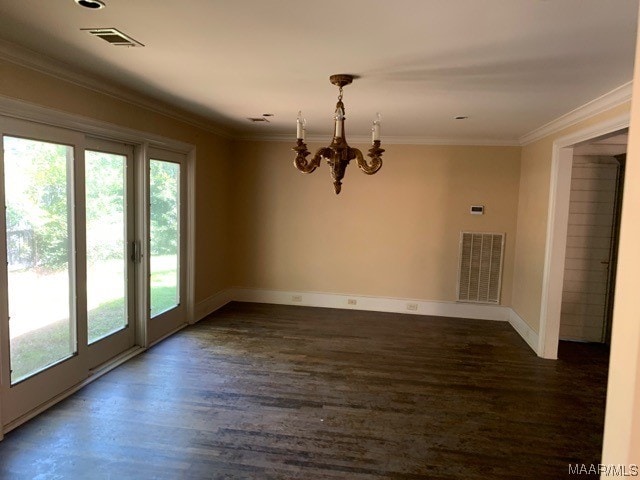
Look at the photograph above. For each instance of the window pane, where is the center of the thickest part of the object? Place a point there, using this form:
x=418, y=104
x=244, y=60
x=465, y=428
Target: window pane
x=37, y=195
x=105, y=175
x=164, y=196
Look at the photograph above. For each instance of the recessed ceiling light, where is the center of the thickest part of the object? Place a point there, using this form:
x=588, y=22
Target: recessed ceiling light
x=460, y=117
x=93, y=4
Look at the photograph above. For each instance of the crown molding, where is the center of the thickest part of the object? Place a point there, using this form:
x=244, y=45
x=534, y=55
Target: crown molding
x=615, y=97
x=393, y=140
x=24, y=57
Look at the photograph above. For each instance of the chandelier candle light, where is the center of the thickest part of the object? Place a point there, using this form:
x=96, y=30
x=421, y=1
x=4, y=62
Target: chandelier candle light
x=339, y=153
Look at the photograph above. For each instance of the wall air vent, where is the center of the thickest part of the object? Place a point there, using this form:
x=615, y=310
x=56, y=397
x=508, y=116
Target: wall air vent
x=480, y=269
x=113, y=36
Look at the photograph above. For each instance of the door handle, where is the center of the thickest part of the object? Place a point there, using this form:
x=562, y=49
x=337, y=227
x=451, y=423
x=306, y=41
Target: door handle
x=136, y=251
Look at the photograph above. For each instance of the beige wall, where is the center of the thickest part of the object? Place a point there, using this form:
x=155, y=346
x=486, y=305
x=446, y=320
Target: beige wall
x=212, y=167
x=622, y=419
x=393, y=234
x=533, y=206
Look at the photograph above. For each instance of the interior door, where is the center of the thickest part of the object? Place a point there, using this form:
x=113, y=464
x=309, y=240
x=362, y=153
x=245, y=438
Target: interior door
x=166, y=182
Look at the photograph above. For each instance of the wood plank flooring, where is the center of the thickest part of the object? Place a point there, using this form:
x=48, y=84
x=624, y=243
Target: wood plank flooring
x=279, y=392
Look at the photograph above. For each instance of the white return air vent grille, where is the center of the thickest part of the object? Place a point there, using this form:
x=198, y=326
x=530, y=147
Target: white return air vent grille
x=480, y=271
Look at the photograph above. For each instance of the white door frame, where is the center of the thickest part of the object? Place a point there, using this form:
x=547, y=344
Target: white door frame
x=557, y=223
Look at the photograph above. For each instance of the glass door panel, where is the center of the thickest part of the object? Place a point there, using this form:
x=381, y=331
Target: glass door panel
x=109, y=238
x=164, y=216
x=166, y=247
x=37, y=184
x=106, y=229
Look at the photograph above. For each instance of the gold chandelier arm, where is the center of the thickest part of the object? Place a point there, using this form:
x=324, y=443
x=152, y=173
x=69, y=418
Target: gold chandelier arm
x=301, y=162
x=375, y=152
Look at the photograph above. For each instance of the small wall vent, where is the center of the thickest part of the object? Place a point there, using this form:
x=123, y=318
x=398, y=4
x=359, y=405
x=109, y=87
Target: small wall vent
x=480, y=267
x=113, y=36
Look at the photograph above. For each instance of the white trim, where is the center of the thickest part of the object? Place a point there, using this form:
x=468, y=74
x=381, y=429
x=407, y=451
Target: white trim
x=191, y=235
x=605, y=127
x=524, y=330
x=387, y=140
x=557, y=219
x=375, y=304
x=212, y=303
x=24, y=57
x=139, y=170
x=615, y=97
x=555, y=251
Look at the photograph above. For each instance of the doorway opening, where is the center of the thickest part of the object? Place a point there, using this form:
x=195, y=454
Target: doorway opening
x=593, y=225
x=558, y=226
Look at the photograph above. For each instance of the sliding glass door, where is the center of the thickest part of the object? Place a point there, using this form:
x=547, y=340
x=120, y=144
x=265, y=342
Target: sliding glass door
x=69, y=276
x=92, y=257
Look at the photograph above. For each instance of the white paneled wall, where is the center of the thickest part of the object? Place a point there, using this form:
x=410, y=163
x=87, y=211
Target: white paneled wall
x=589, y=236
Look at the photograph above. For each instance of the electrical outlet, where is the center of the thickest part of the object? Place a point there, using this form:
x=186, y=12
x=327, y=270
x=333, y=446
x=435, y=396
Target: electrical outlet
x=296, y=298
x=352, y=301
x=412, y=306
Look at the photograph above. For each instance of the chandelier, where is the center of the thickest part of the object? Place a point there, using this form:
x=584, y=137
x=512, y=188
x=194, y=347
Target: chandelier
x=339, y=153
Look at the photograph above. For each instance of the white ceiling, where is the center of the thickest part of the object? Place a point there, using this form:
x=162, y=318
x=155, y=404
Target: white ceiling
x=510, y=66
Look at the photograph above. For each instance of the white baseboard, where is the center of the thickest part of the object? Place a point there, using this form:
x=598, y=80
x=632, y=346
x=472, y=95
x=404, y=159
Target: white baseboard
x=375, y=304
x=358, y=302
x=212, y=303
x=524, y=330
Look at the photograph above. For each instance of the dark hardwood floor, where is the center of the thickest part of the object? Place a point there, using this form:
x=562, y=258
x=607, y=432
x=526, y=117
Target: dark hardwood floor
x=276, y=392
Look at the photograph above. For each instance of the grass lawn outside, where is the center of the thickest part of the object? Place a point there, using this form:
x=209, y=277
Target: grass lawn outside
x=36, y=348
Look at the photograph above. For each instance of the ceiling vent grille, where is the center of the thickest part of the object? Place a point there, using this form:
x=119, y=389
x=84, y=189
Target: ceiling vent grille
x=480, y=268
x=114, y=37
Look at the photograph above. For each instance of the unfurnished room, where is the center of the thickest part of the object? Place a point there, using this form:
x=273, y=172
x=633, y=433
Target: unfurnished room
x=319, y=240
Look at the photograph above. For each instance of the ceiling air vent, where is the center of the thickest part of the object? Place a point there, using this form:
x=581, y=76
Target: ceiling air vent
x=113, y=36
x=257, y=119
